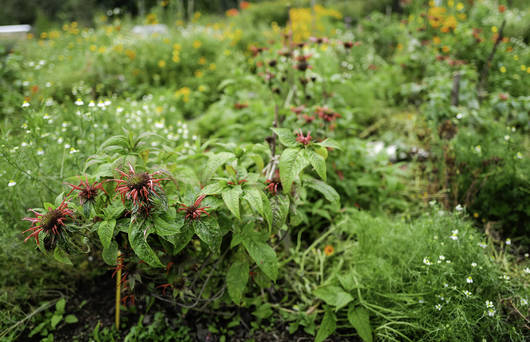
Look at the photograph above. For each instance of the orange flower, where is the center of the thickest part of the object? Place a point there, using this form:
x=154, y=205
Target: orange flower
x=502, y=8
x=232, y=12
x=329, y=250
x=244, y=5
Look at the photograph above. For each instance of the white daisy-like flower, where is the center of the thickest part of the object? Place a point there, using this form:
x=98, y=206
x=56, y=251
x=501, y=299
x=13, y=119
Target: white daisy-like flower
x=446, y=285
x=40, y=152
x=426, y=261
x=438, y=307
x=524, y=301
x=92, y=103
x=506, y=137
x=11, y=183
x=101, y=104
x=459, y=207
x=505, y=277
x=519, y=155
x=421, y=301
x=508, y=241
x=79, y=102
x=473, y=264
x=491, y=312
x=459, y=116
x=441, y=257
x=489, y=304
x=25, y=104
x=482, y=244
x=469, y=280
x=527, y=270
x=467, y=293
x=73, y=150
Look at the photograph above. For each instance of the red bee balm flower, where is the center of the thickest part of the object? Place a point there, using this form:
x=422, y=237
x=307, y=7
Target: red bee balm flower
x=87, y=192
x=138, y=187
x=274, y=185
x=303, y=140
x=194, y=212
x=51, y=222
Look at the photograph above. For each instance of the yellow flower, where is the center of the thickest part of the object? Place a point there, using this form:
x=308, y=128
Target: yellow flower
x=475, y=215
x=202, y=60
x=196, y=15
x=528, y=70
x=176, y=58
x=462, y=16
x=102, y=49
x=515, y=57
x=93, y=48
x=502, y=69
x=43, y=35
x=197, y=44
x=198, y=73
x=131, y=54
x=176, y=47
x=459, y=6
x=446, y=48
x=450, y=3
x=523, y=67
x=202, y=88
x=227, y=52
x=212, y=66
x=329, y=250
x=399, y=46
x=494, y=29
x=161, y=64
x=436, y=40
x=159, y=109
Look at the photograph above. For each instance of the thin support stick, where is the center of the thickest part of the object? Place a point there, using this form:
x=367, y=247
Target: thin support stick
x=118, y=293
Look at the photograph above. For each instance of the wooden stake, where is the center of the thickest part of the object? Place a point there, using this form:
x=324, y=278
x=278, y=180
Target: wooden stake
x=118, y=292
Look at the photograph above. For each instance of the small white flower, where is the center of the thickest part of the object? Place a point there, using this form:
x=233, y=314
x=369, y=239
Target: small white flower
x=524, y=301
x=508, y=241
x=101, y=104
x=467, y=293
x=426, y=261
x=491, y=312
x=119, y=110
x=67, y=146
x=73, y=150
x=11, y=183
x=478, y=149
x=482, y=244
x=454, y=237
x=40, y=152
x=441, y=257
x=459, y=207
x=519, y=155
x=91, y=104
x=489, y=304
x=79, y=102
x=505, y=277
x=446, y=285
x=421, y=301
x=506, y=137
x=473, y=264
x=432, y=203
x=25, y=104
x=459, y=116
x=527, y=270
x=469, y=280
x=438, y=307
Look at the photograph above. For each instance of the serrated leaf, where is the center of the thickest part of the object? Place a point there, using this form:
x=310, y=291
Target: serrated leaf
x=231, y=199
x=212, y=189
x=263, y=255
x=140, y=246
x=114, y=210
x=60, y=255
x=216, y=161
x=330, y=143
x=253, y=197
x=110, y=254
x=167, y=228
x=327, y=326
x=329, y=193
x=359, y=317
x=208, y=230
x=106, y=232
x=286, y=137
x=71, y=319
x=280, y=209
x=181, y=240
x=291, y=163
x=333, y=295
x=318, y=162
x=236, y=280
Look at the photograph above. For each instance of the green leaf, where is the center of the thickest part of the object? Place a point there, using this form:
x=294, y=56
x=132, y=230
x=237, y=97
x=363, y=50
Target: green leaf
x=114, y=210
x=106, y=231
x=333, y=295
x=166, y=228
x=360, y=319
x=60, y=255
x=110, y=254
x=208, y=230
x=60, y=306
x=263, y=255
x=253, y=197
x=231, y=199
x=181, y=239
x=327, y=326
x=140, y=246
x=267, y=210
x=330, y=143
x=280, y=209
x=291, y=163
x=212, y=189
x=286, y=136
x=71, y=319
x=318, y=162
x=56, y=319
x=329, y=193
x=216, y=161
x=236, y=280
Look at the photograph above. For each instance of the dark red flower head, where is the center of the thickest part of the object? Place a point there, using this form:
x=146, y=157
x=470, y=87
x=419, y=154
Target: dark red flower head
x=141, y=188
x=51, y=222
x=298, y=110
x=319, y=40
x=87, y=192
x=303, y=140
x=327, y=114
x=274, y=185
x=194, y=211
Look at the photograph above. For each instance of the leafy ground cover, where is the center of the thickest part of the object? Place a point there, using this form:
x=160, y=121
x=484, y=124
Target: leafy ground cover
x=282, y=172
